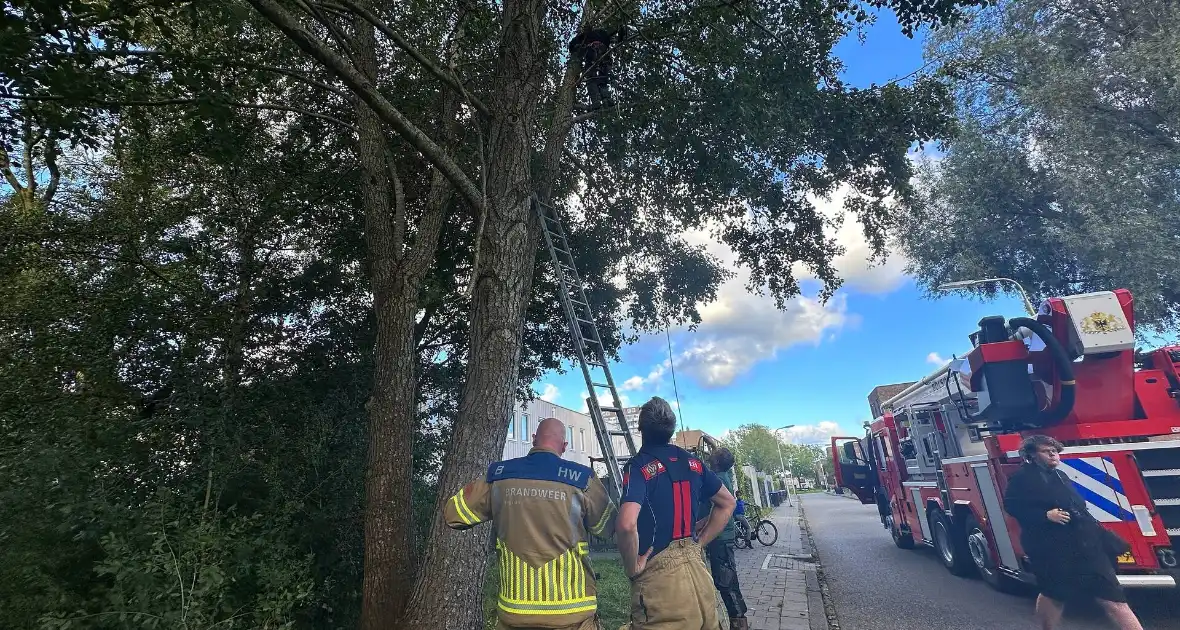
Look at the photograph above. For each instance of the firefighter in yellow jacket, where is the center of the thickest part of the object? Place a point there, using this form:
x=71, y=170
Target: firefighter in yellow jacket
x=542, y=507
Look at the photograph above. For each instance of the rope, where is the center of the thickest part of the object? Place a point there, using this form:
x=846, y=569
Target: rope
x=672, y=364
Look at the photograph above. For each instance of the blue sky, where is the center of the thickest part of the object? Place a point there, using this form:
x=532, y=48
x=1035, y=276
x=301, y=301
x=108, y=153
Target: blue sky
x=812, y=365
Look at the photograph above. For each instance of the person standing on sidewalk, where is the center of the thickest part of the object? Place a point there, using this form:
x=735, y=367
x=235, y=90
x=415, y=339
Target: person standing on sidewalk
x=720, y=551
x=664, y=485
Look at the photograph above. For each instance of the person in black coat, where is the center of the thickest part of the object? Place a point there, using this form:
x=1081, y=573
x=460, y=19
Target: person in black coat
x=1068, y=548
x=597, y=62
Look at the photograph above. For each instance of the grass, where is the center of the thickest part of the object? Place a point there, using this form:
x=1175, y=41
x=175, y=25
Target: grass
x=614, y=593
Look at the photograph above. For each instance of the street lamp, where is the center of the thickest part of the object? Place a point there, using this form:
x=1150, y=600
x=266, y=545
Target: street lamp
x=963, y=284
x=783, y=463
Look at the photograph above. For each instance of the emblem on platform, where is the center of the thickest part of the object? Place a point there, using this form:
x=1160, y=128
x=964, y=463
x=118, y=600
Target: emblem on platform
x=1102, y=323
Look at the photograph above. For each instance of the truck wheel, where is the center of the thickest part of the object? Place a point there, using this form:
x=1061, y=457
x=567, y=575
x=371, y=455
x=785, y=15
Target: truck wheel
x=903, y=541
x=981, y=554
x=950, y=544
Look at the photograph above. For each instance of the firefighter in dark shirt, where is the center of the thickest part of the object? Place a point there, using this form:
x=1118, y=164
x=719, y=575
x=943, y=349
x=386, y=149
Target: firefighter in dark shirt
x=670, y=585
x=597, y=62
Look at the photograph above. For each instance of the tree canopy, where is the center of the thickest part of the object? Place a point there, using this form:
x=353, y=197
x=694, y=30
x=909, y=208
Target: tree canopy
x=1063, y=175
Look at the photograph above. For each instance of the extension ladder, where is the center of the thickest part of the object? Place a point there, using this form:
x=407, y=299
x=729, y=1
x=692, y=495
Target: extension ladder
x=590, y=351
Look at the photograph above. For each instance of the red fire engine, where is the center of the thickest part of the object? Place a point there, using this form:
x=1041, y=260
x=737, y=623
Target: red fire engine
x=937, y=460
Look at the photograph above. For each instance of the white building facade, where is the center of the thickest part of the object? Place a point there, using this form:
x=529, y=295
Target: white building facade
x=579, y=431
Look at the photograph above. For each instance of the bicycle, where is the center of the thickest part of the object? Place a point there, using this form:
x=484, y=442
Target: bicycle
x=764, y=531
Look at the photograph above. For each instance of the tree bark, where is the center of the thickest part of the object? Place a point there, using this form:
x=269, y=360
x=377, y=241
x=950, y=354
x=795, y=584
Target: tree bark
x=449, y=591
x=396, y=271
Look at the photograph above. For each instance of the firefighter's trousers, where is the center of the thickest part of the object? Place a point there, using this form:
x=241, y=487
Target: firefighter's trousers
x=591, y=623
x=674, y=592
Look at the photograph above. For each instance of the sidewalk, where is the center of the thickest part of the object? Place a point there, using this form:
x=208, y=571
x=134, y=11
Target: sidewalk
x=779, y=582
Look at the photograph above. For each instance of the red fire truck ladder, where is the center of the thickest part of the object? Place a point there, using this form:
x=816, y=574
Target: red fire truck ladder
x=591, y=353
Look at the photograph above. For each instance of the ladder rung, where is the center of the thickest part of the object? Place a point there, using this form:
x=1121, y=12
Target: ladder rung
x=586, y=321
x=601, y=385
x=618, y=433
x=611, y=409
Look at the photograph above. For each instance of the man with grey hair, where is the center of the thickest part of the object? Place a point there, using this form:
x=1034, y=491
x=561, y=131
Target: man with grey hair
x=663, y=486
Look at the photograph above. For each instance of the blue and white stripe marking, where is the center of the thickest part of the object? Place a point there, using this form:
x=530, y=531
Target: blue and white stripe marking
x=1097, y=480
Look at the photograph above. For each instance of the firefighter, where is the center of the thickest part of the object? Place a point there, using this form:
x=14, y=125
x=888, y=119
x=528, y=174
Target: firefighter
x=722, y=563
x=594, y=47
x=670, y=586
x=541, y=507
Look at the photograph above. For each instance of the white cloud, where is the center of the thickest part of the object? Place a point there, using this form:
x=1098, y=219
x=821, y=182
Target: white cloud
x=819, y=433
x=550, y=393
x=739, y=329
x=603, y=401
x=853, y=265
x=936, y=359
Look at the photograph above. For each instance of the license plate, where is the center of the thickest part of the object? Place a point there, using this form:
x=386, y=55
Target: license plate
x=1127, y=558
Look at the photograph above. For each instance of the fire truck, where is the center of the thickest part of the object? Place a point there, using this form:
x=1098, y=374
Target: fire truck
x=936, y=461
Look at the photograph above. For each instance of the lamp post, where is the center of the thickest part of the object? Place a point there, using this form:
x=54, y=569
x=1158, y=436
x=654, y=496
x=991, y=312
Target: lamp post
x=783, y=464
x=963, y=284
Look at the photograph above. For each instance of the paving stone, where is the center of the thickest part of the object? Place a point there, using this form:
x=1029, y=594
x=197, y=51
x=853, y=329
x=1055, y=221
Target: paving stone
x=776, y=595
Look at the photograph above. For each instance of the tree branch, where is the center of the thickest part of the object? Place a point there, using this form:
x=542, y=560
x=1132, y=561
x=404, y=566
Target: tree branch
x=181, y=101
x=30, y=143
x=54, y=172
x=347, y=44
x=9, y=176
x=364, y=89
x=295, y=75
x=399, y=205
x=446, y=77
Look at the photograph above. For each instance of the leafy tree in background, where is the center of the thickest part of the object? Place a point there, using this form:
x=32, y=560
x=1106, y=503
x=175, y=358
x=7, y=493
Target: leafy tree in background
x=1064, y=173
x=756, y=445
x=307, y=278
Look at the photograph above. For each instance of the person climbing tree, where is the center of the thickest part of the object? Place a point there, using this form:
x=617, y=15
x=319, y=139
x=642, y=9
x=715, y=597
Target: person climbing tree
x=595, y=47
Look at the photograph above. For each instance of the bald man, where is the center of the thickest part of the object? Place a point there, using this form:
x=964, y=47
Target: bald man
x=542, y=507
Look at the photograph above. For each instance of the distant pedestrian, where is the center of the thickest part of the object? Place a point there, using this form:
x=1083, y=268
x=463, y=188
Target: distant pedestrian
x=739, y=516
x=1069, y=550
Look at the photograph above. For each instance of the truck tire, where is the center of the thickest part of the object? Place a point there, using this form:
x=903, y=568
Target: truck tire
x=979, y=546
x=903, y=540
x=950, y=544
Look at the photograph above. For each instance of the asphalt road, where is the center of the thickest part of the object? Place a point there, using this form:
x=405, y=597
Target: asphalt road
x=876, y=586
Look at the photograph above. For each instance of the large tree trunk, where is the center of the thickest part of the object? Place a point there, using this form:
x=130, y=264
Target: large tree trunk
x=396, y=275
x=449, y=591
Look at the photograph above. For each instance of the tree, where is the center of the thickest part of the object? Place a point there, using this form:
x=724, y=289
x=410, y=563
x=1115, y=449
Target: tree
x=734, y=115
x=1063, y=174
x=755, y=445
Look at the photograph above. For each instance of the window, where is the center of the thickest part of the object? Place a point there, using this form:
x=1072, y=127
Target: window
x=524, y=427
x=569, y=436
x=582, y=440
x=511, y=425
